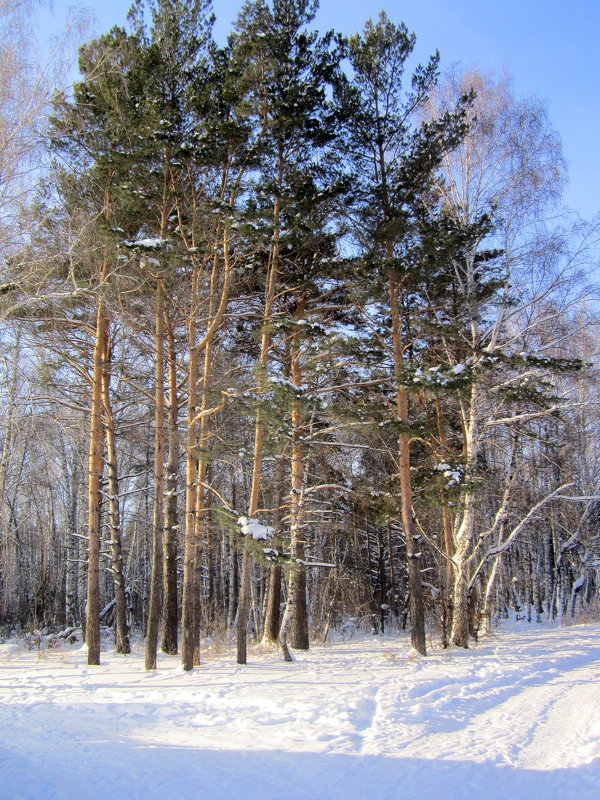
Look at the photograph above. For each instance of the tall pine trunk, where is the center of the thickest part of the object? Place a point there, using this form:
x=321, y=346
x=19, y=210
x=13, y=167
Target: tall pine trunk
x=197, y=436
x=447, y=567
x=171, y=521
x=243, y=610
x=295, y=623
x=114, y=516
x=159, y=480
x=188, y=639
x=95, y=471
x=413, y=540
x=272, y=615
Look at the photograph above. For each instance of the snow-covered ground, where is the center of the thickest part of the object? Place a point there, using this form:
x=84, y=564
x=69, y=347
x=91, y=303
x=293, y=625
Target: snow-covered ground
x=516, y=717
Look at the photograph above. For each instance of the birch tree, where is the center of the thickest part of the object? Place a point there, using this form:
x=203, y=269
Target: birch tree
x=508, y=169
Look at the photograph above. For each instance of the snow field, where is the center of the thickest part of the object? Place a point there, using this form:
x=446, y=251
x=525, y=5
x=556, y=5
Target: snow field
x=516, y=717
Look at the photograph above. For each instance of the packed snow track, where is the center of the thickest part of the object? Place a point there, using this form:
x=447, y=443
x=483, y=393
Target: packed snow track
x=516, y=717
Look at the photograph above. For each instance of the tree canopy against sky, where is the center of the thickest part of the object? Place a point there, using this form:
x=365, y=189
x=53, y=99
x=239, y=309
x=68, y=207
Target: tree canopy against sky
x=547, y=51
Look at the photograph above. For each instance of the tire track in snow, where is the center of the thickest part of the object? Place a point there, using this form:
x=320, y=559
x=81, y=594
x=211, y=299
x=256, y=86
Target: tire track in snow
x=481, y=712
x=569, y=733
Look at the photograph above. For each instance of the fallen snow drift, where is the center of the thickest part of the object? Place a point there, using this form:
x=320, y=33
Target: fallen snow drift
x=516, y=717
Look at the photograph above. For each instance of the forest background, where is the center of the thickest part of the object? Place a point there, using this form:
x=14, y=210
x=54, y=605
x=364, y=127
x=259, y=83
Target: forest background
x=296, y=335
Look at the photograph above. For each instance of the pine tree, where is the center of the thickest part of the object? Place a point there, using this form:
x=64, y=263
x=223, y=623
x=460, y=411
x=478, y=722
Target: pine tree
x=393, y=158
x=92, y=132
x=176, y=67
x=289, y=68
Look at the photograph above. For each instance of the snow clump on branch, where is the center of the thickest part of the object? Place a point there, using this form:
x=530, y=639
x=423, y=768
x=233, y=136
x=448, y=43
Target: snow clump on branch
x=253, y=528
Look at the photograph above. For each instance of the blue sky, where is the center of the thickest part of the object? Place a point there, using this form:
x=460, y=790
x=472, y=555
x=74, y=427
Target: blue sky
x=548, y=46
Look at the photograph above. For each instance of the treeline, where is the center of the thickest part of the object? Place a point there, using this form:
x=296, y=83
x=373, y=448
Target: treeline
x=297, y=339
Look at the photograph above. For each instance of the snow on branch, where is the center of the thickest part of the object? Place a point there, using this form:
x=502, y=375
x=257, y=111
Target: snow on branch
x=322, y=486
x=252, y=527
x=535, y=414
x=146, y=244
x=503, y=546
x=574, y=538
x=532, y=511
